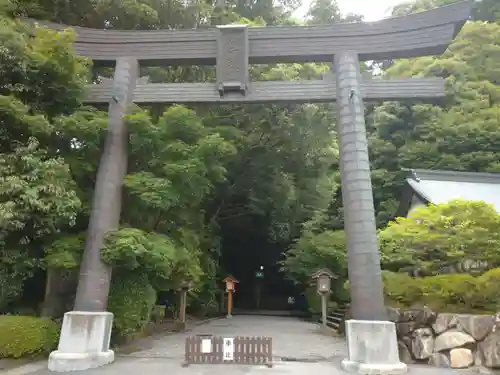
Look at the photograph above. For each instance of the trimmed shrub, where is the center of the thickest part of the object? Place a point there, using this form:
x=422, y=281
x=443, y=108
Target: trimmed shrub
x=26, y=336
x=461, y=293
x=457, y=291
x=401, y=289
x=489, y=290
x=131, y=300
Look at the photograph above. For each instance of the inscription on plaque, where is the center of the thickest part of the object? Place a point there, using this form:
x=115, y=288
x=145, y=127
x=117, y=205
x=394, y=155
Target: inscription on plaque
x=232, y=59
x=228, y=349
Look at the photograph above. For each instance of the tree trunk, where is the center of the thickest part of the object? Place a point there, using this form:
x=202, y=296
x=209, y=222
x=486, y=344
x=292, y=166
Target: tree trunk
x=52, y=302
x=95, y=276
x=60, y=290
x=365, y=280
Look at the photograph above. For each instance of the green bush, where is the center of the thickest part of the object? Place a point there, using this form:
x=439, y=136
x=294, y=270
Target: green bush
x=489, y=290
x=25, y=336
x=401, y=289
x=456, y=290
x=446, y=293
x=131, y=300
x=314, y=302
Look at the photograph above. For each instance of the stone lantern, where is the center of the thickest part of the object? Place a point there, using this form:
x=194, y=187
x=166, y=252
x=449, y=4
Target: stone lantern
x=323, y=278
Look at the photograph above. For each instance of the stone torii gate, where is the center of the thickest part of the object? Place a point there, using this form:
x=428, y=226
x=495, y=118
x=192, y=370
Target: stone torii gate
x=371, y=339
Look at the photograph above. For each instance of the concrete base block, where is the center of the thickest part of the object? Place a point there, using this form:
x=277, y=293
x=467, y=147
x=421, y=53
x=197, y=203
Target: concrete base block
x=84, y=342
x=372, y=348
x=63, y=362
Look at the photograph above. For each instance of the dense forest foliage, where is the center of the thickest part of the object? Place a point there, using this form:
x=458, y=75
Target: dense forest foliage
x=196, y=174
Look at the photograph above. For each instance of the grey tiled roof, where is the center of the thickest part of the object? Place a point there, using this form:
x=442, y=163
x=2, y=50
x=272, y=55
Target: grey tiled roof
x=442, y=186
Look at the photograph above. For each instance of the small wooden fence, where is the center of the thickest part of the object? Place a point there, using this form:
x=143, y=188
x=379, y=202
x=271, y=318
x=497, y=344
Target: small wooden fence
x=247, y=350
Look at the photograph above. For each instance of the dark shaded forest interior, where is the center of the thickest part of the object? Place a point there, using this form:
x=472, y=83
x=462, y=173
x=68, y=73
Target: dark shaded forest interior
x=253, y=260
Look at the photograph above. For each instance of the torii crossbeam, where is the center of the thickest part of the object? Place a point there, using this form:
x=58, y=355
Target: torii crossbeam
x=231, y=48
x=371, y=339
x=317, y=91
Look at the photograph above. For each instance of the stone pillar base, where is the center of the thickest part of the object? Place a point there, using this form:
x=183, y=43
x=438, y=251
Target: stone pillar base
x=64, y=362
x=84, y=342
x=372, y=348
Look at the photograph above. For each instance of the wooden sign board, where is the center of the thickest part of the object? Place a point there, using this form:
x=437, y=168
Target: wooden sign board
x=229, y=350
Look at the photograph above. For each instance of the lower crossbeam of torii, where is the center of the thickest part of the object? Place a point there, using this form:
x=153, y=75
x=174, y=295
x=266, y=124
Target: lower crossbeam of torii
x=371, y=338
x=311, y=91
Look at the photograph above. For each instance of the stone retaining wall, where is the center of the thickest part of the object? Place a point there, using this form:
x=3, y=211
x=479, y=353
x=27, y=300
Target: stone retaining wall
x=447, y=340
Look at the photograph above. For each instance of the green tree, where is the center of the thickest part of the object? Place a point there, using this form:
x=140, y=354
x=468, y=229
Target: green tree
x=39, y=68
x=40, y=77
x=315, y=250
x=174, y=165
x=37, y=200
x=439, y=236
x=461, y=133
x=325, y=12
x=484, y=10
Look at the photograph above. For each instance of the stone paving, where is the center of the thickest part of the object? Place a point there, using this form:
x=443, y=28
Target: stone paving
x=314, y=352
x=288, y=338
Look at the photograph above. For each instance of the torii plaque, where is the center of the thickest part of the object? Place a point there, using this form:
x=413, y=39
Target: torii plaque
x=371, y=339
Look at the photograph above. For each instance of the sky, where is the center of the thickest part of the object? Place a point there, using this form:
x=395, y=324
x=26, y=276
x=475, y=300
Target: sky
x=373, y=10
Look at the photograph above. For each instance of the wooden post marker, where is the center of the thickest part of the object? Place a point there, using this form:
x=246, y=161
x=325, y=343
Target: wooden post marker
x=185, y=286
x=230, y=289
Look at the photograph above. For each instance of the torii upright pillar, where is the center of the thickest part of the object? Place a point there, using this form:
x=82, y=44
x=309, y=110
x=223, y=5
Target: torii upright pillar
x=86, y=331
x=371, y=338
